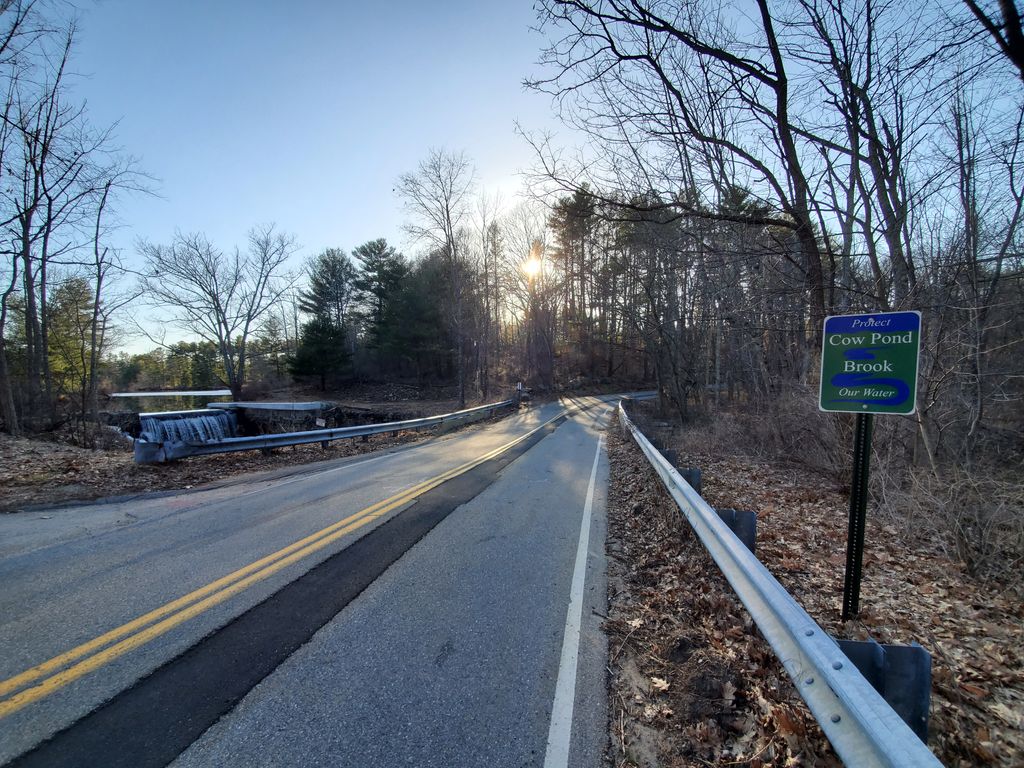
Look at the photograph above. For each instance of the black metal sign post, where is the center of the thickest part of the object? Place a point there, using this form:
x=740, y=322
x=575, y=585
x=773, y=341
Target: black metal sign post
x=858, y=514
x=868, y=366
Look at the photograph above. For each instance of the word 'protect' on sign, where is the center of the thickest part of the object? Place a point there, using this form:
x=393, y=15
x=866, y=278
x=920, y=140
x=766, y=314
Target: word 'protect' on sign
x=869, y=363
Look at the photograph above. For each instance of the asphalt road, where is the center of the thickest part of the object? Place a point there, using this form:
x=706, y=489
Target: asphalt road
x=382, y=610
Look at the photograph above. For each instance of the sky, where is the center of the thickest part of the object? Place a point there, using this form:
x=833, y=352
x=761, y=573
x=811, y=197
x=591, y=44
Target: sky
x=304, y=113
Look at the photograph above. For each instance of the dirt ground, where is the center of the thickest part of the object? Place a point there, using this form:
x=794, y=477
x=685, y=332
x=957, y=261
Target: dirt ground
x=693, y=682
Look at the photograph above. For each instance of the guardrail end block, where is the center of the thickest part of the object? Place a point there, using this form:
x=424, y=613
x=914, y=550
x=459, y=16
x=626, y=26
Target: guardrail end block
x=149, y=453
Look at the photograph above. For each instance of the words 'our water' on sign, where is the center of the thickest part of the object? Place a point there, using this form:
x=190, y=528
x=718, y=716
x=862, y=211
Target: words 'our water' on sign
x=869, y=363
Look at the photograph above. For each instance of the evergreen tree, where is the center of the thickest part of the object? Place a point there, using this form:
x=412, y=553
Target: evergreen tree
x=382, y=271
x=270, y=347
x=321, y=351
x=322, y=348
x=69, y=312
x=421, y=334
x=331, y=287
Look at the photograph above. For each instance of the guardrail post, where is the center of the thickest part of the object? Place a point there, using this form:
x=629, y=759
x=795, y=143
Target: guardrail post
x=692, y=476
x=742, y=522
x=902, y=674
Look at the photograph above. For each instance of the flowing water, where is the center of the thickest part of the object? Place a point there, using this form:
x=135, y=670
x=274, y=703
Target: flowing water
x=193, y=427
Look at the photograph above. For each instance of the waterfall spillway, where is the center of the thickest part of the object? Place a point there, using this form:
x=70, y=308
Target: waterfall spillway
x=188, y=426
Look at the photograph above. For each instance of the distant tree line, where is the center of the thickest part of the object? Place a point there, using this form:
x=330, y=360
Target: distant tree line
x=534, y=294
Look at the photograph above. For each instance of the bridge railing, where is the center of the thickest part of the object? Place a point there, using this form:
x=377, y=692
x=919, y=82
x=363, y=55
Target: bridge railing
x=863, y=729
x=147, y=452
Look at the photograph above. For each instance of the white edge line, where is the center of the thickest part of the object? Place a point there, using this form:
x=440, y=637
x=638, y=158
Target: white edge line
x=560, y=730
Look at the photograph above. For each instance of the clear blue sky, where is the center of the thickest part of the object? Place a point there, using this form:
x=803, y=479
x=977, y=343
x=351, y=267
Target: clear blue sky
x=304, y=112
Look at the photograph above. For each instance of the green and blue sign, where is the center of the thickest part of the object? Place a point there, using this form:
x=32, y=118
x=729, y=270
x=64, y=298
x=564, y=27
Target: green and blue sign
x=869, y=363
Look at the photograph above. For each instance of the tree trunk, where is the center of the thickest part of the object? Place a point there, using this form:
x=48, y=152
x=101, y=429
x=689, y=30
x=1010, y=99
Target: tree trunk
x=7, y=410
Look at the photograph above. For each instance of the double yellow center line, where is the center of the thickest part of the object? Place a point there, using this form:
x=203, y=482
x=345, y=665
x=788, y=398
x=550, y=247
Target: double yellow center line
x=23, y=689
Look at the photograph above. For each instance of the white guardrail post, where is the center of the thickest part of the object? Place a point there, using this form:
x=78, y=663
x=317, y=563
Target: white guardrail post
x=863, y=729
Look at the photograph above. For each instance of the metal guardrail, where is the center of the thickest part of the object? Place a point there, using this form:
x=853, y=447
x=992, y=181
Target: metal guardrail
x=863, y=729
x=147, y=452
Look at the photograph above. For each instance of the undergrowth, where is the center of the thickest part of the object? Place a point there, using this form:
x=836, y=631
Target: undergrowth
x=974, y=514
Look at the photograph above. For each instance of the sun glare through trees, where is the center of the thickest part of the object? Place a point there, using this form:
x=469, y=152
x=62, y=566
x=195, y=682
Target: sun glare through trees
x=731, y=174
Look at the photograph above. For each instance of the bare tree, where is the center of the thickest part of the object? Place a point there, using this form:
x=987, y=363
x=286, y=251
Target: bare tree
x=59, y=174
x=1004, y=28
x=489, y=253
x=684, y=107
x=532, y=287
x=217, y=296
x=106, y=265
x=437, y=196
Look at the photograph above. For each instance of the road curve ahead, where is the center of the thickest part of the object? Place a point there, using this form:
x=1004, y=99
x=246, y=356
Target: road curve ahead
x=437, y=605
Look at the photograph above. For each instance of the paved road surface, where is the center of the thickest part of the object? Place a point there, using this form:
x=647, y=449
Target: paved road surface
x=359, y=612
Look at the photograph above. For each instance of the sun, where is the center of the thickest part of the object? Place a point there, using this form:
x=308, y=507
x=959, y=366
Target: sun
x=532, y=267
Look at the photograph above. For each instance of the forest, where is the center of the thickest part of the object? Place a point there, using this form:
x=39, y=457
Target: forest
x=749, y=169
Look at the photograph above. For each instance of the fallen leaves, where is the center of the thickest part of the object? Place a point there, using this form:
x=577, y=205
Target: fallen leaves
x=35, y=472
x=911, y=592
x=659, y=684
x=693, y=682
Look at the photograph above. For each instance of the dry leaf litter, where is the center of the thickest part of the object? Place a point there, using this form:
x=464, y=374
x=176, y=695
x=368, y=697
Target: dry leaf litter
x=694, y=683
x=36, y=473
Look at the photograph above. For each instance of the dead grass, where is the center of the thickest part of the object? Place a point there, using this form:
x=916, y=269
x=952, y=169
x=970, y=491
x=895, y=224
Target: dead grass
x=976, y=517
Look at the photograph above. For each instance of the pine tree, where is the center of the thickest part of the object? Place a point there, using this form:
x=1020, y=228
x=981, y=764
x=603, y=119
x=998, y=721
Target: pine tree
x=331, y=287
x=321, y=351
x=323, y=345
x=379, y=283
